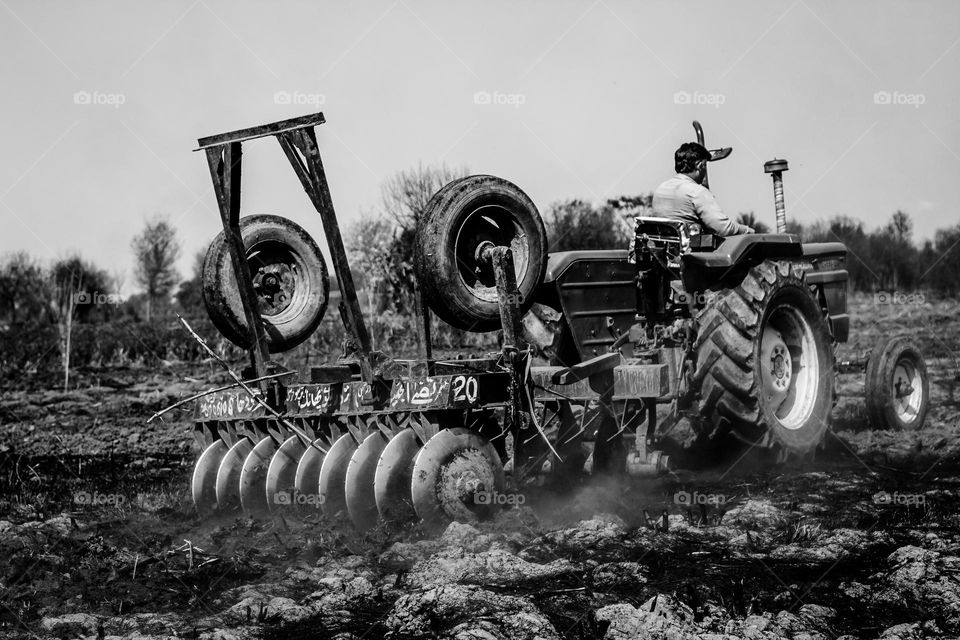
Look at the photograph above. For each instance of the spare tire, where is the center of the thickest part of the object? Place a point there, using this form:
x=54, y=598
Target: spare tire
x=457, y=284
x=290, y=282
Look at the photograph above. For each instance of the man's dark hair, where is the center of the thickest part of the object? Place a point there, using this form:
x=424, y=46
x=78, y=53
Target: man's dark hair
x=688, y=155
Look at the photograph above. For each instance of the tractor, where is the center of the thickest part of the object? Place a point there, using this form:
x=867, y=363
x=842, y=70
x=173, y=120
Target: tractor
x=736, y=336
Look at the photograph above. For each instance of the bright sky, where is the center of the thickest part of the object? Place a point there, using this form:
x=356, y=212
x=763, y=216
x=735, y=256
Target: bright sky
x=586, y=99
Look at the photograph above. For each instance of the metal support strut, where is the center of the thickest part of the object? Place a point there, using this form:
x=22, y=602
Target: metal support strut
x=224, y=160
x=298, y=140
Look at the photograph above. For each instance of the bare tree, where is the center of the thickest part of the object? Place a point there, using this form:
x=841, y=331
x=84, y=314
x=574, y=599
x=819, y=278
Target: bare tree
x=156, y=251
x=900, y=227
x=74, y=288
x=189, y=295
x=404, y=196
x=391, y=230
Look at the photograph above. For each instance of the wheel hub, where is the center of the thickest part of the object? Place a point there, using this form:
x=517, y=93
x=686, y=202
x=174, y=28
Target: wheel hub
x=781, y=366
x=463, y=480
x=789, y=366
x=467, y=488
x=778, y=366
x=484, y=229
x=457, y=475
x=275, y=286
x=907, y=392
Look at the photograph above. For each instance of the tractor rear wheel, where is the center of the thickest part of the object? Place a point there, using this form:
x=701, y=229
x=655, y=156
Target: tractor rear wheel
x=460, y=220
x=765, y=366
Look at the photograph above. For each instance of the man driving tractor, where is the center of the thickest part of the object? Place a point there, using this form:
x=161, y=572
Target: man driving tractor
x=685, y=197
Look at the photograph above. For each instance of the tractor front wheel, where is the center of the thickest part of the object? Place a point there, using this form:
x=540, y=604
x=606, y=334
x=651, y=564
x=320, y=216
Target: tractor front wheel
x=897, y=388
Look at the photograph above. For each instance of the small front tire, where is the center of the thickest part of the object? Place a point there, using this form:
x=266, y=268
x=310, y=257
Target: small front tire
x=897, y=387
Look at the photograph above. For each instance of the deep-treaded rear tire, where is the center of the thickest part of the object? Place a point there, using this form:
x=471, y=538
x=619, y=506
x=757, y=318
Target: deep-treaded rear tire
x=765, y=366
x=459, y=220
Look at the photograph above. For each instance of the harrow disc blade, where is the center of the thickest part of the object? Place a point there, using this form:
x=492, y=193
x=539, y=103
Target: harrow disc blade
x=391, y=484
x=361, y=499
x=307, y=481
x=456, y=476
x=333, y=475
x=228, y=475
x=204, y=485
x=282, y=475
x=253, y=478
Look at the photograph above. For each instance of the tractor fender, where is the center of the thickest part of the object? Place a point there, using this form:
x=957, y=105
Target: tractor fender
x=755, y=246
x=703, y=270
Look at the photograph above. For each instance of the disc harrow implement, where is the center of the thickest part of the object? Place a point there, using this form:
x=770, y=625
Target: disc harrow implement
x=395, y=450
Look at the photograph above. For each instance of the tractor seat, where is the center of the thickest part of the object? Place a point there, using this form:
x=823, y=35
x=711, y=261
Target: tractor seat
x=680, y=236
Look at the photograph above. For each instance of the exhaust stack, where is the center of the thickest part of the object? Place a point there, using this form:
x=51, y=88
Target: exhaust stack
x=777, y=167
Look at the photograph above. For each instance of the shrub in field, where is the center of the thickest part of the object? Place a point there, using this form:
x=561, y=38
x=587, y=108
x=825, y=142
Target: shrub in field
x=27, y=348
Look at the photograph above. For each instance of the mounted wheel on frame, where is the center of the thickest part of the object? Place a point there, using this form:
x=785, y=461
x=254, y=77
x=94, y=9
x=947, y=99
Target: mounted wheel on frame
x=289, y=279
x=461, y=219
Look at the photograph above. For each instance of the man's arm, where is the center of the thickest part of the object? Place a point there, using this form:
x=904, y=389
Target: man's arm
x=712, y=215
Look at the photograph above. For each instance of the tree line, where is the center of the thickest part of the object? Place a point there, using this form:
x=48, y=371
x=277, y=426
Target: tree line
x=70, y=311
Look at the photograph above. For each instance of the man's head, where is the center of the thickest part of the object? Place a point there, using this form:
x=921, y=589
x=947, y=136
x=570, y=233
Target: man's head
x=691, y=159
